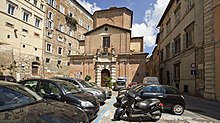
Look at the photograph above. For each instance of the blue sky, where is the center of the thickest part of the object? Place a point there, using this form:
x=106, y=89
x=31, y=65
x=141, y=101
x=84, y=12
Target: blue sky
x=146, y=15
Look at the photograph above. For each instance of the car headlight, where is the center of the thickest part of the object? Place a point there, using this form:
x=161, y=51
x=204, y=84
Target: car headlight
x=86, y=104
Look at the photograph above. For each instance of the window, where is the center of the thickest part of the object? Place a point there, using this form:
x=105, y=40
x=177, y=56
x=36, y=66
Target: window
x=37, y=22
x=168, y=26
x=177, y=74
x=62, y=9
x=49, y=34
x=106, y=42
x=50, y=16
x=59, y=62
x=26, y=16
x=177, y=14
x=41, y=7
x=13, y=97
x=161, y=55
x=25, y=30
x=50, y=24
x=48, y=88
x=177, y=44
x=168, y=51
x=189, y=4
x=52, y=3
x=60, y=38
x=71, y=14
x=188, y=37
x=11, y=9
x=152, y=89
x=9, y=24
x=68, y=63
x=69, y=52
x=47, y=60
x=35, y=2
x=60, y=51
x=61, y=28
x=31, y=84
x=48, y=47
x=37, y=35
x=70, y=45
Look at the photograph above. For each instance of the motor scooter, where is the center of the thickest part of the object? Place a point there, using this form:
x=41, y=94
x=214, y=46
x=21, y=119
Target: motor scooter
x=146, y=108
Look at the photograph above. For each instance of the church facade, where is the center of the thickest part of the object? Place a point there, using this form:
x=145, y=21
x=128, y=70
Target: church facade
x=109, y=50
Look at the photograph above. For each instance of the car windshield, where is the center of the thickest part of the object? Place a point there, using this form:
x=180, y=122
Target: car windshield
x=68, y=87
x=152, y=82
x=120, y=83
x=15, y=96
x=84, y=83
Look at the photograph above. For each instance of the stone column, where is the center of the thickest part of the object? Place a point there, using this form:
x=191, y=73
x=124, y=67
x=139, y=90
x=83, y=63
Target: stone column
x=209, y=50
x=98, y=75
x=113, y=72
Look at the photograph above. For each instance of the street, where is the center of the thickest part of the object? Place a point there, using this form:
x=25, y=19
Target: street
x=192, y=114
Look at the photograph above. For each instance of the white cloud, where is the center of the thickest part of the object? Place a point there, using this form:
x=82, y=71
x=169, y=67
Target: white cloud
x=90, y=7
x=148, y=28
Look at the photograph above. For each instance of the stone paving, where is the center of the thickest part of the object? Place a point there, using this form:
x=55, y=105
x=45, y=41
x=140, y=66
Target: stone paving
x=106, y=113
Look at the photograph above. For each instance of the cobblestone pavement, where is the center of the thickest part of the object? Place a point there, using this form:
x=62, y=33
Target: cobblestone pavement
x=106, y=113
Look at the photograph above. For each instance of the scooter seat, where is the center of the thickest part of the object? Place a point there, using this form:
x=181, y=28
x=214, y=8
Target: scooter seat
x=147, y=103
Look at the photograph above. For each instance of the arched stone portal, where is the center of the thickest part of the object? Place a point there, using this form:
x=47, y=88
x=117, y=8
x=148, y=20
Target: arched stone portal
x=105, y=73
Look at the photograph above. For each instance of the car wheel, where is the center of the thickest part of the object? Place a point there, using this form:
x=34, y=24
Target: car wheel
x=177, y=109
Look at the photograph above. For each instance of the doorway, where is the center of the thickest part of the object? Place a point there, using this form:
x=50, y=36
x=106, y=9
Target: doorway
x=105, y=73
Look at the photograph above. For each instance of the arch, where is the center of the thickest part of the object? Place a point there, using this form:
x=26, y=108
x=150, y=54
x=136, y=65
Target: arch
x=105, y=73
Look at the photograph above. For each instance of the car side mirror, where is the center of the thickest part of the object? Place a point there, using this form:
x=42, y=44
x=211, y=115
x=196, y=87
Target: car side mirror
x=142, y=92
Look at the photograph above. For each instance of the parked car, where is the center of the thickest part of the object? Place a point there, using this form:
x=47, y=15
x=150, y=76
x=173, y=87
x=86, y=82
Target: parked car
x=85, y=86
x=168, y=95
x=151, y=80
x=7, y=78
x=65, y=92
x=120, y=83
x=108, y=91
x=21, y=105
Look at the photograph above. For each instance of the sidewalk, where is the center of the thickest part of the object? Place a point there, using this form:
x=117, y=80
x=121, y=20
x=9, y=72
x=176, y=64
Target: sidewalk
x=205, y=108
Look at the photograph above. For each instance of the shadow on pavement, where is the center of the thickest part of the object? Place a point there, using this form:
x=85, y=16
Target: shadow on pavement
x=135, y=119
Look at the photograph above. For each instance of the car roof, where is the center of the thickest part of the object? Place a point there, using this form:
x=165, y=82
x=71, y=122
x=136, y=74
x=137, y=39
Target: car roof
x=63, y=77
x=8, y=83
x=45, y=80
x=168, y=86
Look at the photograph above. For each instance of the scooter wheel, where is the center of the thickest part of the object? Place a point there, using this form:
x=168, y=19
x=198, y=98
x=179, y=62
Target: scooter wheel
x=156, y=117
x=116, y=117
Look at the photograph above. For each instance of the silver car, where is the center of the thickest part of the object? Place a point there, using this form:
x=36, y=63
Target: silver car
x=85, y=86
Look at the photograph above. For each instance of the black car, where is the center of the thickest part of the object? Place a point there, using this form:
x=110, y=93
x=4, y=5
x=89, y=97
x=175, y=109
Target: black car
x=168, y=95
x=66, y=92
x=18, y=104
x=85, y=86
